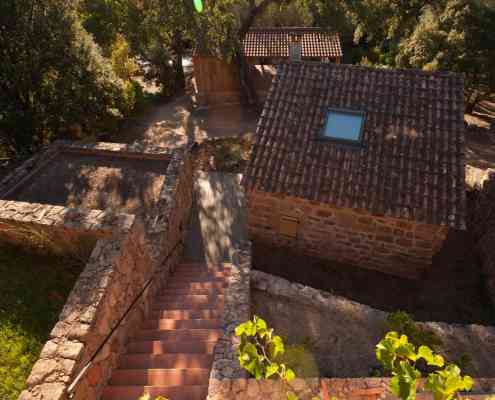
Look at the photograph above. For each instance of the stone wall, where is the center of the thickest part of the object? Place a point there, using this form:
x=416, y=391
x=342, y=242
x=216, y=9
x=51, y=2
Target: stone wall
x=60, y=229
x=482, y=226
x=340, y=334
x=117, y=271
x=283, y=304
x=348, y=389
x=390, y=245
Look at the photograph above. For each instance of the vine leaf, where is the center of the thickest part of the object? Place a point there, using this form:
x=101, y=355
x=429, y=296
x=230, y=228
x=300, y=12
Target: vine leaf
x=432, y=359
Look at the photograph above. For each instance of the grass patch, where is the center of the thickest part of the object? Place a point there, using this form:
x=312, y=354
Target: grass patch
x=34, y=288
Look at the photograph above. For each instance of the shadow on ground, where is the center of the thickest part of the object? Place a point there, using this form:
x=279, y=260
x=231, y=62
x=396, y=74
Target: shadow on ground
x=452, y=291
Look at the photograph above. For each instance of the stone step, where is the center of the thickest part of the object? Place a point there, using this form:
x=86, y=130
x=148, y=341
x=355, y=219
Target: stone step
x=187, y=280
x=160, y=377
x=183, y=334
x=183, y=360
x=198, y=392
x=195, y=275
x=192, y=298
x=188, y=291
x=186, y=314
x=203, y=267
x=188, y=305
x=170, y=346
x=196, y=285
x=181, y=324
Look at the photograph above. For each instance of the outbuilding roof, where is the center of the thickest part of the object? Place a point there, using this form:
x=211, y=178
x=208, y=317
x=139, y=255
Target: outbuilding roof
x=274, y=42
x=409, y=163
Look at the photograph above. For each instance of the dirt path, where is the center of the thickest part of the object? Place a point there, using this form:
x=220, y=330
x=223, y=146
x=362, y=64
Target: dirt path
x=178, y=122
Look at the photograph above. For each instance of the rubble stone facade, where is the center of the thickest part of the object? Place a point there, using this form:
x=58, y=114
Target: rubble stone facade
x=391, y=245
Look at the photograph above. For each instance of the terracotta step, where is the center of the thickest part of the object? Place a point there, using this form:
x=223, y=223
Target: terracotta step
x=189, y=291
x=170, y=346
x=196, y=285
x=203, y=267
x=192, y=298
x=185, y=314
x=160, y=377
x=181, y=280
x=174, y=334
x=198, y=392
x=180, y=361
x=188, y=305
x=195, y=275
x=182, y=324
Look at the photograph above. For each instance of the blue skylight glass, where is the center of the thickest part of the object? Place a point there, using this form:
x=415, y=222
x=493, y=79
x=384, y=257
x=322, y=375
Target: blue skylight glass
x=344, y=125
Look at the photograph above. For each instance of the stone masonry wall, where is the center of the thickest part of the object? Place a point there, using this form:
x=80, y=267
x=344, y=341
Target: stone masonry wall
x=117, y=270
x=390, y=245
x=342, y=389
x=482, y=226
x=63, y=230
x=338, y=335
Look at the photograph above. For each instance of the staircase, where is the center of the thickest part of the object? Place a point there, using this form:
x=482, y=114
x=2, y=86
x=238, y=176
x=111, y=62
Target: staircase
x=172, y=354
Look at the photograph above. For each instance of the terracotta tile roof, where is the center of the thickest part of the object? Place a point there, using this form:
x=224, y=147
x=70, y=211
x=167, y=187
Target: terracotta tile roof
x=274, y=42
x=411, y=164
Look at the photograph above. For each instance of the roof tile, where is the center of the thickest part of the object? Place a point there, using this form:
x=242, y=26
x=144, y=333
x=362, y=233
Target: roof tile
x=411, y=164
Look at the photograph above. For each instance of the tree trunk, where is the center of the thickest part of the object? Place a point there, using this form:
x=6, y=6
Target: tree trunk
x=178, y=49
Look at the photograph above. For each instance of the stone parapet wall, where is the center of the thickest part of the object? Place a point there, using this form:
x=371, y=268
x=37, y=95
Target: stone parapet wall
x=236, y=311
x=340, y=334
x=482, y=226
x=395, y=246
x=59, y=223
x=342, y=389
x=118, y=269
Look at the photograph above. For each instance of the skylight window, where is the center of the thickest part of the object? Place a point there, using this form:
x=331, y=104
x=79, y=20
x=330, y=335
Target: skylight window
x=344, y=125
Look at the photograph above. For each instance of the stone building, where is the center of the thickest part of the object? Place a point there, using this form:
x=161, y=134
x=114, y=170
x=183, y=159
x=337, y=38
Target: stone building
x=217, y=81
x=359, y=165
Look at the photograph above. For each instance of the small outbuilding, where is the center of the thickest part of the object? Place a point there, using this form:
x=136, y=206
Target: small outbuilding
x=359, y=165
x=217, y=81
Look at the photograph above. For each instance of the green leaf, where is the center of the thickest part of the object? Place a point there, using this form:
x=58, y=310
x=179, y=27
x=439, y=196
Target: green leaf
x=277, y=346
x=444, y=384
x=198, y=5
x=432, y=359
x=289, y=375
x=271, y=370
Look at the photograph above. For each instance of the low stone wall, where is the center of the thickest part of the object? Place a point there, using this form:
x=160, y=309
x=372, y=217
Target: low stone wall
x=394, y=246
x=117, y=270
x=60, y=229
x=340, y=334
x=342, y=389
x=482, y=225
x=236, y=311
x=295, y=300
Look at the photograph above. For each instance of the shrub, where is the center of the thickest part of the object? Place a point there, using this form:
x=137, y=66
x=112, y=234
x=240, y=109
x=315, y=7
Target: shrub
x=404, y=324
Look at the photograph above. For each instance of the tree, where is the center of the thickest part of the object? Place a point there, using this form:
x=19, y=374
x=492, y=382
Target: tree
x=52, y=75
x=459, y=37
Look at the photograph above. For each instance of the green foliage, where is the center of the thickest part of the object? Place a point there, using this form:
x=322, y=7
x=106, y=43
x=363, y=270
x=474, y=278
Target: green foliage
x=123, y=64
x=52, y=75
x=29, y=307
x=399, y=356
x=259, y=350
x=404, y=324
x=444, y=384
